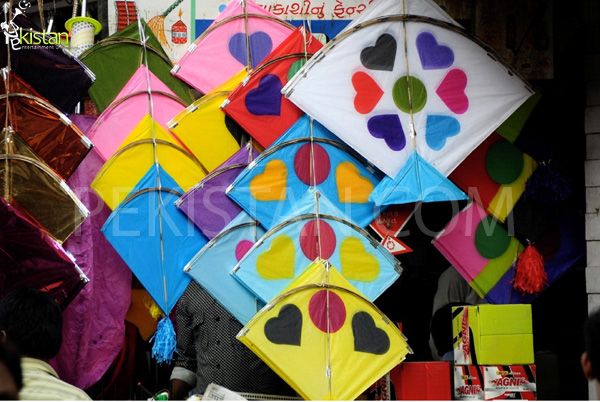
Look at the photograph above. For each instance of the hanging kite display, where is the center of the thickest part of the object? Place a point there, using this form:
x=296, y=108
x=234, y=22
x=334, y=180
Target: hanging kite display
x=154, y=239
x=70, y=79
x=316, y=229
x=258, y=105
x=495, y=175
x=412, y=94
x=478, y=247
x=212, y=266
x=240, y=36
x=204, y=128
x=324, y=338
x=306, y=155
x=116, y=58
x=135, y=156
x=206, y=204
x=47, y=131
x=34, y=189
x=31, y=258
x=129, y=107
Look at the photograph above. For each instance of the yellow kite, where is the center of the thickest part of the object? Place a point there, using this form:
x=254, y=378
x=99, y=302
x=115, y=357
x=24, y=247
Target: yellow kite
x=323, y=338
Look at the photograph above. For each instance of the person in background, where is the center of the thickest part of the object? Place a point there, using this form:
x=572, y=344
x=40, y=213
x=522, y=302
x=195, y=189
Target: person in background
x=32, y=321
x=590, y=359
x=208, y=351
x=11, y=378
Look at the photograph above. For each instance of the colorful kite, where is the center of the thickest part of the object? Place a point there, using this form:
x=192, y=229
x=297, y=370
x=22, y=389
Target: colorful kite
x=115, y=59
x=129, y=107
x=412, y=92
x=206, y=204
x=35, y=190
x=49, y=133
x=154, y=239
x=478, y=247
x=324, y=338
x=495, y=175
x=31, y=258
x=135, y=156
x=241, y=36
x=316, y=229
x=258, y=105
x=307, y=155
x=52, y=70
x=205, y=130
x=212, y=266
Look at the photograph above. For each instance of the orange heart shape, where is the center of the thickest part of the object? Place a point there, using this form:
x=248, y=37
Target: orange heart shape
x=270, y=185
x=351, y=185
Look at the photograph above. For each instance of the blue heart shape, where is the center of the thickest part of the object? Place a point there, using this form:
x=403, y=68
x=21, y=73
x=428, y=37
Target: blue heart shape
x=388, y=127
x=439, y=129
x=260, y=47
x=433, y=56
x=265, y=99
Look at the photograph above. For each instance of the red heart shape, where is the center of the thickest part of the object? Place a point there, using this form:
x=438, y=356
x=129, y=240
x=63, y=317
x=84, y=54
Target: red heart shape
x=452, y=91
x=368, y=92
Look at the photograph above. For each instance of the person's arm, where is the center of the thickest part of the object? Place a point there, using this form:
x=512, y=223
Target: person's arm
x=183, y=377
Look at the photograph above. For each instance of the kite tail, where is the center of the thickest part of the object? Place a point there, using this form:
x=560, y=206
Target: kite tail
x=530, y=275
x=164, y=341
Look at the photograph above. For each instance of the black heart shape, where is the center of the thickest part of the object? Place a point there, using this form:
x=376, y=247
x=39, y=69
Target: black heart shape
x=367, y=337
x=286, y=328
x=382, y=56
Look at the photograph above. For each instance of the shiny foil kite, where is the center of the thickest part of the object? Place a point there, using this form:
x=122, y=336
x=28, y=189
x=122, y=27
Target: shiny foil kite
x=53, y=71
x=155, y=239
x=204, y=128
x=306, y=155
x=129, y=107
x=35, y=190
x=47, y=131
x=324, y=338
x=206, y=204
x=31, y=258
x=316, y=229
x=212, y=266
x=413, y=93
x=115, y=59
x=258, y=105
x=479, y=247
x=242, y=35
x=137, y=154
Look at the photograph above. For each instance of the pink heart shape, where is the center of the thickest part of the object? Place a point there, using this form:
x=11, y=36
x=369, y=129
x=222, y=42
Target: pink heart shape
x=452, y=91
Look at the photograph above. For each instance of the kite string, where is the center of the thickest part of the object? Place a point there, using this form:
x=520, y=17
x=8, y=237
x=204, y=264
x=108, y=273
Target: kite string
x=247, y=35
x=7, y=113
x=313, y=183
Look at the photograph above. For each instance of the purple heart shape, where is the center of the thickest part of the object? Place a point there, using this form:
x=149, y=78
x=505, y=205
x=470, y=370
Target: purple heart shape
x=260, y=47
x=389, y=128
x=265, y=99
x=433, y=56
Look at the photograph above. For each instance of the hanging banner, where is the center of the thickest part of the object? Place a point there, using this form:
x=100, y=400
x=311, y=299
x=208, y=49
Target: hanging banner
x=178, y=22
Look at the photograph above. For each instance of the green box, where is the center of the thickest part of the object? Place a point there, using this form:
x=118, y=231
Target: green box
x=497, y=334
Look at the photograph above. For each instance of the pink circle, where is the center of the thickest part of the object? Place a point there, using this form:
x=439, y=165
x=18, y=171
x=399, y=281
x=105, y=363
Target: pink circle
x=309, y=240
x=317, y=308
x=242, y=248
x=303, y=168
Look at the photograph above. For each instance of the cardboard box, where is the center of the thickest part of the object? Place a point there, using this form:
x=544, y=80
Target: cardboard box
x=492, y=334
x=509, y=382
x=424, y=381
x=468, y=383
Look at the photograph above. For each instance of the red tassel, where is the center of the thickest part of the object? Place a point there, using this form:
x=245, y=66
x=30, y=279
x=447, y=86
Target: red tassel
x=530, y=276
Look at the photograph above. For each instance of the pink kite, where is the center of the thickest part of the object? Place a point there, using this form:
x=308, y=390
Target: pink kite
x=129, y=107
x=94, y=322
x=241, y=36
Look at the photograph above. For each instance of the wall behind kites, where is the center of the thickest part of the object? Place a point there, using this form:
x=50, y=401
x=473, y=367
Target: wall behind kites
x=187, y=19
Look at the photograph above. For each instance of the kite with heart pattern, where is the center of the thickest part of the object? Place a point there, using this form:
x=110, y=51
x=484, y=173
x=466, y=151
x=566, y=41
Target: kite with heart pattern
x=272, y=184
x=324, y=338
x=412, y=92
x=242, y=35
x=315, y=228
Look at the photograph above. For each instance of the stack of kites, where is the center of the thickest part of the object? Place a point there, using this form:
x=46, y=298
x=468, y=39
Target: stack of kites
x=261, y=189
